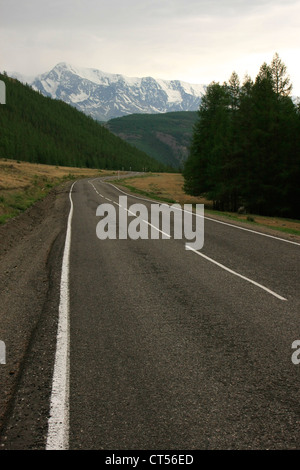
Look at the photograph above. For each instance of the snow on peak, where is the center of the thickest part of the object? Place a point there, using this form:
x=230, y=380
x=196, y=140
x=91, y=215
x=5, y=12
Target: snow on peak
x=106, y=95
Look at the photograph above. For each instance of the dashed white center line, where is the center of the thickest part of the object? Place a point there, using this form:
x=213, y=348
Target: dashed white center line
x=237, y=274
x=201, y=254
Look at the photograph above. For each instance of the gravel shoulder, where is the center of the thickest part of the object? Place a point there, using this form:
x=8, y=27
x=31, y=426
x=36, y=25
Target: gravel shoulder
x=31, y=249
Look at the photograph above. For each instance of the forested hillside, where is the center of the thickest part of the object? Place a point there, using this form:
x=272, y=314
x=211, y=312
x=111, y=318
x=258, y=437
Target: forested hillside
x=165, y=137
x=246, y=145
x=43, y=130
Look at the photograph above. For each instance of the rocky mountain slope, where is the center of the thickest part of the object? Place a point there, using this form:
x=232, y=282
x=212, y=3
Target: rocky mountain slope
x=105, y=96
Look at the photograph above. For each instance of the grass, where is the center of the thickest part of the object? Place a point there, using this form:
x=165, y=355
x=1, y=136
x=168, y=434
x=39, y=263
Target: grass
x=161, y=186
x=168, y=187
x=152, y=195
x=22, y=184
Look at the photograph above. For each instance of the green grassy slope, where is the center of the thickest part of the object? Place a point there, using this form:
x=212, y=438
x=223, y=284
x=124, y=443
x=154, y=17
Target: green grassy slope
x=165, y=137
x=42, y=130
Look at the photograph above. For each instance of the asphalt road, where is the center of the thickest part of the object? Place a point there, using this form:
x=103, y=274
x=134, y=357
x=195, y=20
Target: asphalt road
x=169, y=350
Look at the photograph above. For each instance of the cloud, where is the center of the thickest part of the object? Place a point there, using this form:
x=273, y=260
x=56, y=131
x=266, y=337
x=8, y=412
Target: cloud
x=164, y=38
x=120, y=15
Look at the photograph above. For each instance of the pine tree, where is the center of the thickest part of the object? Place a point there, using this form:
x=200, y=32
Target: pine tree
x=246, y=145
x=205, y=167
x=281, y=80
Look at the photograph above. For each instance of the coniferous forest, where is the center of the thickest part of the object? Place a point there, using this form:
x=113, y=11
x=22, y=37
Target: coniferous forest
x=245, y=149
x=38, y=129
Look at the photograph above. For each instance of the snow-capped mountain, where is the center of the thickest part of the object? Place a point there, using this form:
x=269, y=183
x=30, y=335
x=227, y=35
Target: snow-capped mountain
x=105, y=96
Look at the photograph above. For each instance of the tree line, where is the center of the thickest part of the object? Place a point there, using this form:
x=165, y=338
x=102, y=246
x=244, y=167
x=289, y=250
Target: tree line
x=38, y=129
x=245, y=149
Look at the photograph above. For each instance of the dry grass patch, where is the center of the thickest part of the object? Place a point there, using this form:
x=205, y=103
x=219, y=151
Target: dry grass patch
x=18, y=175
x=165, y=186
x=284, y=225
x=23, y=183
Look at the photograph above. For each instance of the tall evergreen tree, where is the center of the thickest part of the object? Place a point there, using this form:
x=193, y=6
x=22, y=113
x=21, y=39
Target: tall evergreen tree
x=203, y=170
x=281, y=80
x=246, y=145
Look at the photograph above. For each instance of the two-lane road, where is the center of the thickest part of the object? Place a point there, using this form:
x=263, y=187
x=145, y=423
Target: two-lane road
x=170, y=350
x=167, y=348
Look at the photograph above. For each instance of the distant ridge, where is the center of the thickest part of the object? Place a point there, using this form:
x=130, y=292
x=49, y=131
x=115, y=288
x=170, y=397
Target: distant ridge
x=165, y=137
x=105, y=96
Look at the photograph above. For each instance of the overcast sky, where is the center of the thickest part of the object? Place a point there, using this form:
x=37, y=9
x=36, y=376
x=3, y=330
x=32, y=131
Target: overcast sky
x=193, y=40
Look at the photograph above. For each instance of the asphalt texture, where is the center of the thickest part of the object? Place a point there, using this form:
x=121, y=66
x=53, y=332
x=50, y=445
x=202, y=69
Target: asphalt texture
x=167, y=349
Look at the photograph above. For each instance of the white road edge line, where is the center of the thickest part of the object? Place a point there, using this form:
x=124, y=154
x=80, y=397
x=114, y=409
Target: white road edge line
x=212, y=220
x=237, y=274
x=58, y=423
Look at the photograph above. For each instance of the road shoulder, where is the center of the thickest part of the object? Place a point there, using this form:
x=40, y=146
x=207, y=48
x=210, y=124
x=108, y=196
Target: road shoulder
x=31, y=251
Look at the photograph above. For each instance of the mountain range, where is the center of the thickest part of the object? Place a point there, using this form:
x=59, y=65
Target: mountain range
x=104, y=96
x=38, y=129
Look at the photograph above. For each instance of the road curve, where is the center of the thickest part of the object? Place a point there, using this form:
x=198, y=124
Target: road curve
x=174, y=349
